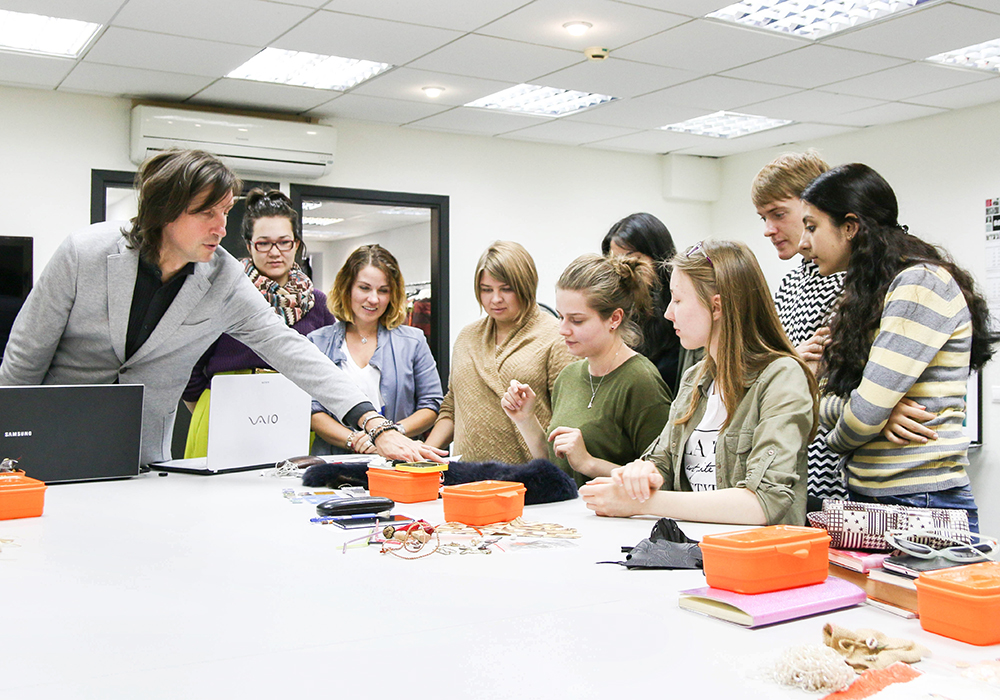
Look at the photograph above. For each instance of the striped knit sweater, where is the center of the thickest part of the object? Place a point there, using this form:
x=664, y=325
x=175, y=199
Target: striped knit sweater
x=921, y=351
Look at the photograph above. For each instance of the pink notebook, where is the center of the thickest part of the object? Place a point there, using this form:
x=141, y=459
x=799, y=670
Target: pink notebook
x=777, y=606
x=858, y=561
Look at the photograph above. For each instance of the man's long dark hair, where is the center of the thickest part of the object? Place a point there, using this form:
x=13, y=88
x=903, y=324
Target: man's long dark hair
x=880, y=250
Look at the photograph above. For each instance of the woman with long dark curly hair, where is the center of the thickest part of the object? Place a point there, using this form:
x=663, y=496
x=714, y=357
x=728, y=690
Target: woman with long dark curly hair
x=644, y=236
x=910, y=324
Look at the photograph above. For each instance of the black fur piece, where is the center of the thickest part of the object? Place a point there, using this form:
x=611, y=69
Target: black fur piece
x=544, y=482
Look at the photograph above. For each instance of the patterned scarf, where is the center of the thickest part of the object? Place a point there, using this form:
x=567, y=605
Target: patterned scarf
x=292, y=301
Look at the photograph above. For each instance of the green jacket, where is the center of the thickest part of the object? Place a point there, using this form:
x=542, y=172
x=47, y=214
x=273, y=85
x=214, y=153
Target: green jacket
x=762, y=449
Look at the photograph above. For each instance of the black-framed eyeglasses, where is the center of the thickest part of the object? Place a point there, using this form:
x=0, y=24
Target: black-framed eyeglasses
x=264, y=246
x=698, y=247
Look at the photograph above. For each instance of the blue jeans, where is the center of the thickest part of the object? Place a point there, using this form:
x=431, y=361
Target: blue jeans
x=959, y=497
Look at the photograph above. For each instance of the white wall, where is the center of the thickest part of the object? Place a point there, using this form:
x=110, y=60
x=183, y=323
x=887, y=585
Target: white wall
x=942, y=169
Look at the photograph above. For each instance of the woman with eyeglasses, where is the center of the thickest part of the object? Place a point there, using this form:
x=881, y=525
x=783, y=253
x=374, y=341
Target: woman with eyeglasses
x=390, y=362
x=271, y=231
x=908, y=329
x=608, y=406
x=734, y=447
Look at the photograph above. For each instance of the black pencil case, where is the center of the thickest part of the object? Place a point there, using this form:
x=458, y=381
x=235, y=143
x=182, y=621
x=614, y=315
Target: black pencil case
x=351, y=506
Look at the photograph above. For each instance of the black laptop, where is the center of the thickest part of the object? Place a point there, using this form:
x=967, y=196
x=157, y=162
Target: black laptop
x=72, y=433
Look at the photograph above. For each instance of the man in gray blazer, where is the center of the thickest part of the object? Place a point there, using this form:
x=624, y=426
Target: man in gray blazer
x=140, y=306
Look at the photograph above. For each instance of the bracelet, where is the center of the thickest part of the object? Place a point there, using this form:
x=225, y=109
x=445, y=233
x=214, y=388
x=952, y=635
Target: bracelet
x=386, y=425
x=364, y=426
x=350, y=439
x=401, y=429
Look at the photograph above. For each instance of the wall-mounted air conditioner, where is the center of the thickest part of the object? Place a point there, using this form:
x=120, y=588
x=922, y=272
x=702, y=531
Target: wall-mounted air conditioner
x=251, y=145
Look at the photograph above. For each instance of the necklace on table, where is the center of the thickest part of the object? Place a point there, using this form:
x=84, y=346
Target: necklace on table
x=593, y=389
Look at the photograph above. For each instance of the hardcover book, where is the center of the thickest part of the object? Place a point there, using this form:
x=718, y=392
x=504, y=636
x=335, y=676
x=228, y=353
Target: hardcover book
x=777, y=606
x=856, y=560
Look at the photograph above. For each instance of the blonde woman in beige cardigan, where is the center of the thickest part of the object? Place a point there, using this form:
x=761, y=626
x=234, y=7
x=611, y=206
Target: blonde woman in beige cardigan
x=515, y=340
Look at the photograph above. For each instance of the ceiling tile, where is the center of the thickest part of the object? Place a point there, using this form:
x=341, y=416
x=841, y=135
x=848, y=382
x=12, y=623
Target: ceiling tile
x=172, y=54
x=36, y=71
x=407, y=84
x=132, y=82
x=811, y=105
x=285, y=98
x=303, y=3
x=964, y=96
x=884, y=114
x=814, y=66
x=100, y=11
x=714, y=93
x=923, y=32
x=563, y=131
x=249, y=22
x=375, y=109
x=691, y=8
x=649, y=142
x=709, y=46
x=615, y=24
x=476, y=121
x=616, y=77
x=791, y=134
x=647, y=112
x=907, y=81
x=990, y=5
x=448, y=14
x=497, y=59
x=350, y=36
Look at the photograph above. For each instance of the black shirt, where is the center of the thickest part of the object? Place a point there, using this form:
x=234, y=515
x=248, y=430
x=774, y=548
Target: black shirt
x=150, y=300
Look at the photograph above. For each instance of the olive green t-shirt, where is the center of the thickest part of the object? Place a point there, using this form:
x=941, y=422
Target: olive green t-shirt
x=630, y=408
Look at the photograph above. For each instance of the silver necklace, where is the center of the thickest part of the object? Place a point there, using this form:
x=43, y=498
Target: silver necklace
x=593, y=389
x=363, y=339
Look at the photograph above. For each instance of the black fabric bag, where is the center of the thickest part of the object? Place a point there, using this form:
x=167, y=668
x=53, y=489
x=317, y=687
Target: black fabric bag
x=667, y=547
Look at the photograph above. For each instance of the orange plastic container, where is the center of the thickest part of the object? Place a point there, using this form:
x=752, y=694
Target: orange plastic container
x=403, y=487
x=483, y=502
x=962, y=602
x=20, y=496
x=765, y=559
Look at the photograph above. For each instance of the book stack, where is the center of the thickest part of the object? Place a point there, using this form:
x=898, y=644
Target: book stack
x=887, y=590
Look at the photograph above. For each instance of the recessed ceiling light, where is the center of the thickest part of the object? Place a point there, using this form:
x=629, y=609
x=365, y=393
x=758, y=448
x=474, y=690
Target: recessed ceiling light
x=985, y=56
x=726, y=125
x=811, y=18
x=308, y=69
x=50, y=36
x=577, y=28
x=433, y=91
x=540, y=100
x=319, y=221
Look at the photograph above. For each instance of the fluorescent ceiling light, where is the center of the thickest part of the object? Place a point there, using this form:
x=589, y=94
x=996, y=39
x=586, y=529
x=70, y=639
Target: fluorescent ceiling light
x=811, y=19
x=985, y=56
x=50, y=36
x=308, y=69
x=726, y=125
x=543, y=101
x=319, y=221
x=316, y=234
x=405, y=211
x=309, y=206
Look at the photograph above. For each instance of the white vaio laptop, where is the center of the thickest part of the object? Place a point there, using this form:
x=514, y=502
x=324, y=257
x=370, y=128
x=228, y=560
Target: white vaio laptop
x=254, y=421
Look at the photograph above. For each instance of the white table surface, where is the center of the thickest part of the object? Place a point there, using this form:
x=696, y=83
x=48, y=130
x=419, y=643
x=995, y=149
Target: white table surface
x=219, y=587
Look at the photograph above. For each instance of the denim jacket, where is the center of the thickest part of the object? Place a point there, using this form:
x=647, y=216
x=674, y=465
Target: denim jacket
x=762, y=449
x=410, y=378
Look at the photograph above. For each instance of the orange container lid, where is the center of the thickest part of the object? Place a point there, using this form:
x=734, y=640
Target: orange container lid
x=17, y=480
x=484, y=488
x=765, y=536
x=981, y=579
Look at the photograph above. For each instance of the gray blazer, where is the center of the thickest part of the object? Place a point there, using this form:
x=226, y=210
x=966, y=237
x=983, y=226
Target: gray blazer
x=71, y=330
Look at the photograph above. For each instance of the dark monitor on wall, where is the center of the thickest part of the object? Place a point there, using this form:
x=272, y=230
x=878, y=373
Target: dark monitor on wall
x=15, y=281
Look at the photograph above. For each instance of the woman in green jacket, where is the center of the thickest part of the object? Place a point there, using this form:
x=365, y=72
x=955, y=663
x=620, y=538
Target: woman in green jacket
x=734, y=448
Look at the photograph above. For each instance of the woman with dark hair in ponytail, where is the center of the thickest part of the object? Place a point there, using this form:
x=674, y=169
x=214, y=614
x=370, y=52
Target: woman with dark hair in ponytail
x=610, y=405
x=271, y=231
x=908, y=328
x=644, y=236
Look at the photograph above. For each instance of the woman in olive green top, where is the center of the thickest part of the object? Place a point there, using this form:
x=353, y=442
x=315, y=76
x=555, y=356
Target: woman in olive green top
x=609, y=406
x=734, y=449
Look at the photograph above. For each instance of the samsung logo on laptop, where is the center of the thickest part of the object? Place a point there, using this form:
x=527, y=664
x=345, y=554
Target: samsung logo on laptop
x=17, y=433
x=263, y=420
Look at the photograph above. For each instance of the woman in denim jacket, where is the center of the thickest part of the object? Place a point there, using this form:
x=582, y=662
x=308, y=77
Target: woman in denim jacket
x=734, y=447
x=390, y=362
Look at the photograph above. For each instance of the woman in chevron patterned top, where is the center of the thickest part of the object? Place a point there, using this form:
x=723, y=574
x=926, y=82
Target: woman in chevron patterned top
x=910, y=324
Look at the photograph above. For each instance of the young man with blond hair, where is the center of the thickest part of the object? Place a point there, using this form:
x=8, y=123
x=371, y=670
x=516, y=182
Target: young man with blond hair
x=805, y=299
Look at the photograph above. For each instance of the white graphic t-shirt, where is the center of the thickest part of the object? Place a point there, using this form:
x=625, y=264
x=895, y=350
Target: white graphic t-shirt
x=699, y=453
